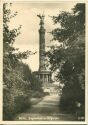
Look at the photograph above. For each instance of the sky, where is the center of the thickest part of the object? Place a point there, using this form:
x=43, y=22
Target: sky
x=27, y=17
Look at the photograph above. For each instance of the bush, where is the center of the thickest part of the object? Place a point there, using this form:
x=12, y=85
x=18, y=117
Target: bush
x=38, y=94
x=46, y=93
x=70, y=96
x=22, y=103
x=14, y=104
x=8, y=106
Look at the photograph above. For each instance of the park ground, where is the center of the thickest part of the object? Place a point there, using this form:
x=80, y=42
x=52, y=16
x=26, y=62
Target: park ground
x=46, y=108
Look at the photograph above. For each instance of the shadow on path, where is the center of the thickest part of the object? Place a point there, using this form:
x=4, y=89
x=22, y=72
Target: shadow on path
x=46, y=109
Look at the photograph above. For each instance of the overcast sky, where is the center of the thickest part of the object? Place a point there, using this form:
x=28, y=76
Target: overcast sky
x=27, y=17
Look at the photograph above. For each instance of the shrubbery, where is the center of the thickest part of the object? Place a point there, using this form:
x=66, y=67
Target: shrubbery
x=68, y=59
x=69, y=102
x=38, y=94
x=22, y=103
x=17, y=96
x=8, y=105
x=19, y=81
x=14, y=104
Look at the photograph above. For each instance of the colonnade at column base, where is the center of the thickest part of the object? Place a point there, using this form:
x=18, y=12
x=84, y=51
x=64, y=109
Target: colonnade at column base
x=44, y=76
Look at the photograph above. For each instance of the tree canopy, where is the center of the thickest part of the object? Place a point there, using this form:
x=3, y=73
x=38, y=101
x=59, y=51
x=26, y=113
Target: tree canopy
x=68, y=59
x=19, y=81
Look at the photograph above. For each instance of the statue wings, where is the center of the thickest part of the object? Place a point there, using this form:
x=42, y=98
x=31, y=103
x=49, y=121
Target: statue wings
x=39, y=16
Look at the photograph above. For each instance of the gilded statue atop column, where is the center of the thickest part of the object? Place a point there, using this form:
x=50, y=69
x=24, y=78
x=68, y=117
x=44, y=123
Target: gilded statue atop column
x=41, y=19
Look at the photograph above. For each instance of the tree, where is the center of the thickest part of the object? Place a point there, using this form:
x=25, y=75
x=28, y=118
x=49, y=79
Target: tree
x=68, y=59
x=18, y=79
x=11, y=55
x=14, y=84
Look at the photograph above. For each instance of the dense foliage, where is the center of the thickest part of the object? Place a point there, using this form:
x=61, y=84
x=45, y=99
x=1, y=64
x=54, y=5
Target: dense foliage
x=19, y=81
x=68, y=59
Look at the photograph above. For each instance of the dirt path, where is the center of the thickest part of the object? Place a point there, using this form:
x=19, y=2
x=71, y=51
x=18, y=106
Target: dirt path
x=46, y=109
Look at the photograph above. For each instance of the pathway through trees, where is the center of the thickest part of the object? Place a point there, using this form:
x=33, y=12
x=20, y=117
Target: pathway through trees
x=46, y=109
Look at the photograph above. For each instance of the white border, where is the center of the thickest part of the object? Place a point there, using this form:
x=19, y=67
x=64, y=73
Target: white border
x=86, y=66
x=1, y=58
x=1, y=65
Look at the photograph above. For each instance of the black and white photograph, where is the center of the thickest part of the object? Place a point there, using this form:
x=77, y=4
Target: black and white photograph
x=44, y=61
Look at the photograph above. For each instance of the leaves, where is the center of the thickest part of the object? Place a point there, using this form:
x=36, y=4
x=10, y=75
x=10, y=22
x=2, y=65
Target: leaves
x=68, y=60
x=17, y=77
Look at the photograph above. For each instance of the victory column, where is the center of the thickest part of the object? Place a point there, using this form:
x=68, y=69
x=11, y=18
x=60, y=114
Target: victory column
x=43, y=74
